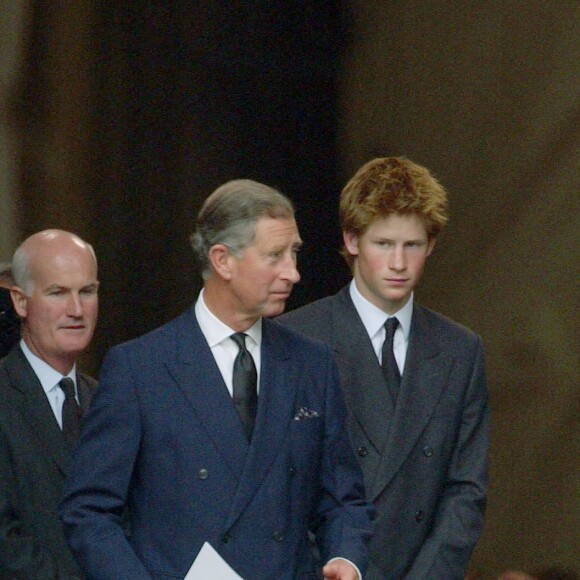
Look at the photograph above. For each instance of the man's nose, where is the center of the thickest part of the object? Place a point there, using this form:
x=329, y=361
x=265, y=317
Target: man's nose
x=74, y=305
x=398, y=260
x=290, y=271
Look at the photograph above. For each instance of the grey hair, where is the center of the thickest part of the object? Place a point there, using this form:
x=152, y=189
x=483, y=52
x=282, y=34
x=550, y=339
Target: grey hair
x=21, y=272
x=229, y=216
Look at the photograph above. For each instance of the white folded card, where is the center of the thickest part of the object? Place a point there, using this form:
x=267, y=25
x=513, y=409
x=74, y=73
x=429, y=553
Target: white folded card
x=209, y=565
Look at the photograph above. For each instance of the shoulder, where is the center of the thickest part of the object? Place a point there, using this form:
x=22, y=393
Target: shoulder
x=14, y=366
x=159, y=340
x=317, y=318
x=443, y=329
x=316, y=308
x=17, y=381
x=292, y=340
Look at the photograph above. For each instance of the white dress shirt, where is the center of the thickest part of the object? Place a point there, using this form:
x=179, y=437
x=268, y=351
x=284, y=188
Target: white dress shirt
x=49, y=379
x=374, y=320
x=223, y=348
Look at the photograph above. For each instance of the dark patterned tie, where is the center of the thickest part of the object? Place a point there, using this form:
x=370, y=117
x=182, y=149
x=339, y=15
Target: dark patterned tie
x=245, y=381
x=389, y=364
x=71, y=413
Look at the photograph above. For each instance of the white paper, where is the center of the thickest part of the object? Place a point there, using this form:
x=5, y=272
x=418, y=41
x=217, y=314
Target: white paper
x=209, y=565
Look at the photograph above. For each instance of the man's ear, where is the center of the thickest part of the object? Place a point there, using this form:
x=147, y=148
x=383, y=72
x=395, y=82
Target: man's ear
x=19, y=300
x=220, y=260
x=350, y=243
x=431, y=246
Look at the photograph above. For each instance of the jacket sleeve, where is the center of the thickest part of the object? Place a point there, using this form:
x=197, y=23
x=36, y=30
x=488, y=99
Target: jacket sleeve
x=459, y=519
x=98, y=480
x=343, y=522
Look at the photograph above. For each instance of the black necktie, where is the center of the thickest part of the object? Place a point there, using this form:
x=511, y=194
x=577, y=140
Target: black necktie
x=71, y=412
x=389, y=364
x=245, y=382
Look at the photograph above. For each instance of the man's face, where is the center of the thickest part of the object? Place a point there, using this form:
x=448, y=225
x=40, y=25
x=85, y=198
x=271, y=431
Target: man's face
x=263, y=276
x=59, y=316
x=389, y=259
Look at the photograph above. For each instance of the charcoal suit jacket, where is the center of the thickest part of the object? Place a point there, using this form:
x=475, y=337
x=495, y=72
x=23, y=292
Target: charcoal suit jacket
x=425, y=459
x=33, y=461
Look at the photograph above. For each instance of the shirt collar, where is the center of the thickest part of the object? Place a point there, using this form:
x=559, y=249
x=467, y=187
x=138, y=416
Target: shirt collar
x=48, y=377
x=215, y=331
x=374, y=318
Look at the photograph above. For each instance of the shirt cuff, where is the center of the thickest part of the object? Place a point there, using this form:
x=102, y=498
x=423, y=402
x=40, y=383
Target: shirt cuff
x=359, y=575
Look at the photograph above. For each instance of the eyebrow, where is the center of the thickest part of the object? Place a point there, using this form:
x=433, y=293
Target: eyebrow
x=59, y=287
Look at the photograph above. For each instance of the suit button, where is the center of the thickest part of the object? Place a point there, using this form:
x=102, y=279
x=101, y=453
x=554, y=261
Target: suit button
x=227, y=537
x=362, y=451
x=419, y=515
x=278, y=537
x=203, y=473
x=427, y=451
x=292, y=471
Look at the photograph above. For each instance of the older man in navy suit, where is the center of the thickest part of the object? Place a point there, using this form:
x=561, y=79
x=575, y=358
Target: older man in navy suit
x=222, y=426
x=414, y=381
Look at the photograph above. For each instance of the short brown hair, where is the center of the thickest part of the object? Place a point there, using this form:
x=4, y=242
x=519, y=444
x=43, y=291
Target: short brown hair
x=391, y=185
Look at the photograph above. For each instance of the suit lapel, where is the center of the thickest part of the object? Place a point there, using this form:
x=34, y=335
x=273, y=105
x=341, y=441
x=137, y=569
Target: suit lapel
x=275, y=410
x=198, y=376
x=424, y=381
x=36, y=409
x=369, y=400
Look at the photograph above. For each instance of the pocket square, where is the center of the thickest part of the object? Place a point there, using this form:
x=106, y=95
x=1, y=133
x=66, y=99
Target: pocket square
x=305, y=413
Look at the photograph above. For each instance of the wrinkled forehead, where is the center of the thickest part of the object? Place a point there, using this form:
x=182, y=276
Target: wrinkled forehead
x=280, y=228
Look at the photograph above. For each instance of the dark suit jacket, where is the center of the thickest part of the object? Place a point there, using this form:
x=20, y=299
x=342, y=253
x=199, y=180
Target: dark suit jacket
x=33, y=461
x=163, y=437
x=425, y=461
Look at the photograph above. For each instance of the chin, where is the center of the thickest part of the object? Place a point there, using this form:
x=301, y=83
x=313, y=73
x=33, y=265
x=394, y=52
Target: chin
x=397, y=296
x=74, y=350
x=275, y=310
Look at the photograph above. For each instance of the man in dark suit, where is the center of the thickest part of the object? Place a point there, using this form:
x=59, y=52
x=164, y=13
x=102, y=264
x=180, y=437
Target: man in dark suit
x=55, y=295
x=222, y=426
x=413, y=380
x=9, y=321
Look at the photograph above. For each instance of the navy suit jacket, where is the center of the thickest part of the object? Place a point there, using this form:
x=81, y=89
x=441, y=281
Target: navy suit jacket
x=163, y=437
x=424, y=460
x=33, y=461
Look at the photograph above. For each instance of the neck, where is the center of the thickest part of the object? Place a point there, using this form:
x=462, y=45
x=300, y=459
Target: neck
x=59, y=364
x=221, y=304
